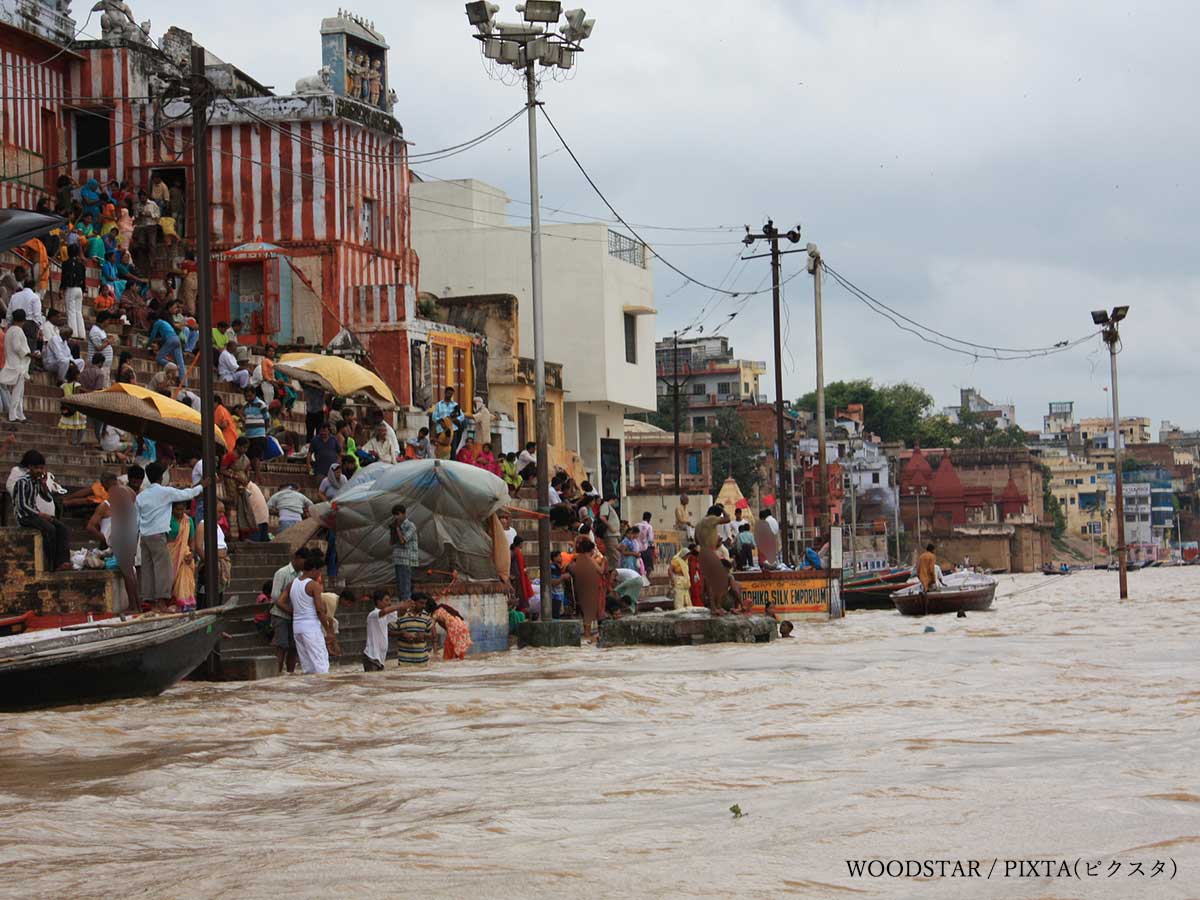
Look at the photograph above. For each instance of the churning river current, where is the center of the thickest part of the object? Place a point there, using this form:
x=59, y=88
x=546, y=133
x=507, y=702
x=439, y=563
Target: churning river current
x=1060, y=726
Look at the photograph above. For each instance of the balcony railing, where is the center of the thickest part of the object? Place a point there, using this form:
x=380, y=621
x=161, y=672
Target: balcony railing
x=666, y=481
x=627, y=249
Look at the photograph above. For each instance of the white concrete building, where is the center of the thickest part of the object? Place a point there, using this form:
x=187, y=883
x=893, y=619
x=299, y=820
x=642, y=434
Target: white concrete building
x=598, y=305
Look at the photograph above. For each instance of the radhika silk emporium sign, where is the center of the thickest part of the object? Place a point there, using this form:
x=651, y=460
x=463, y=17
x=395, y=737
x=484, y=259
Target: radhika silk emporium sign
x=790, y=593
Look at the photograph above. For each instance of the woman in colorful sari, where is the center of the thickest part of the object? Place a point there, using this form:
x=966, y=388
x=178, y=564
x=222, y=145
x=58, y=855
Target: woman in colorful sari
x=110, y=276
x=183, y=562
x=467, y=454
x=681, y=578
x=89, y=196
x=485, y=459
x=124, y=228
x=458, y=635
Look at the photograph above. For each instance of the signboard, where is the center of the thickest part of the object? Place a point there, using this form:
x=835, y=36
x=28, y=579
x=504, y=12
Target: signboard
x=789, y=593
x=1095, y=527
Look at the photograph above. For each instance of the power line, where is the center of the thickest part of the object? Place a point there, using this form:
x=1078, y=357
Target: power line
x=621, y=219
x=967, y=348
x=566, y=212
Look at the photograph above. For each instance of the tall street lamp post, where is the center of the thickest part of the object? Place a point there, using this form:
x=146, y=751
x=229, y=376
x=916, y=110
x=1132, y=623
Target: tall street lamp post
x=523, y=46
x=1112, y=337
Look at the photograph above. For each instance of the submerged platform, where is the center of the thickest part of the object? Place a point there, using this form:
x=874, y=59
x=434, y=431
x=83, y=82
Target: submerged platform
x=696, y=626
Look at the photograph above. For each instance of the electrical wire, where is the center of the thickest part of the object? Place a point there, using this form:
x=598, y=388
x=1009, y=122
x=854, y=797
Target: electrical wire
x=621, y=219
x=974, y=350
x=566, y=212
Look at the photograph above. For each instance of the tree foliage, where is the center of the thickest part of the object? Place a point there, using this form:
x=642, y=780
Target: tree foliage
x=904, y=412
x=893, y=411
x=1050, y=505
x=735, y=454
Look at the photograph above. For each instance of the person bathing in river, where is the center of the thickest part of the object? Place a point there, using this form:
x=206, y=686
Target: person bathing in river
x=384, y=614
x=714, y=577
x=311, y=627
x=458, y=635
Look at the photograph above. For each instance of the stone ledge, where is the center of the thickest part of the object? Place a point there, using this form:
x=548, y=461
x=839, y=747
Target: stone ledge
x=679, y=629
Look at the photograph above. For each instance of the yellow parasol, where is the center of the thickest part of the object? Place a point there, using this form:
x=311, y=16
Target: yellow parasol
x=143, y=412
x=336, y=375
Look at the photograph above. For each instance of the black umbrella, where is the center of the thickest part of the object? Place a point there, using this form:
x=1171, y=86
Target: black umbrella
x=20, y=225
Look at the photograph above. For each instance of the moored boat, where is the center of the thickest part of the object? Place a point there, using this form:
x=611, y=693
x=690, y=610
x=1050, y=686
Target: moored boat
x=15, y=624
x=101, y=661
x=961, y=592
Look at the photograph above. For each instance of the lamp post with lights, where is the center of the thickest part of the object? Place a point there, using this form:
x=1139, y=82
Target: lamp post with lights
x=524, y=45
x=1112, y=337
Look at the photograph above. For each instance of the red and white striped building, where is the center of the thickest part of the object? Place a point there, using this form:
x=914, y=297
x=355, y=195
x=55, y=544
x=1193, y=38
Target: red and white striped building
x=320, y=176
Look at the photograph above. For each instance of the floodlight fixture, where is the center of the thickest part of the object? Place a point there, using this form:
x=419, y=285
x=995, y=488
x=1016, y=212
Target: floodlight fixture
x=492, y=48
x=1119, y=313
x=567, y=58
x=551, y=55
x=536, y=49
x=579, y=26
x=547, y=11
x=1099, y=317
x=482, y=15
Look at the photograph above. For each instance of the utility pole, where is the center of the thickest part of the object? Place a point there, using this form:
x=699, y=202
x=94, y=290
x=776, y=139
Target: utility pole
x=675, y=356
x=203, y=231
x=1112, y=338
x=539, y=352
x=771, y=233
x=895, y=474
x=814, y=268
x=853, y=517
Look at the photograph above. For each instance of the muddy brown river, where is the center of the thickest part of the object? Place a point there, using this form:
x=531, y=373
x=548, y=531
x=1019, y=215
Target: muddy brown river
x=1061, y=727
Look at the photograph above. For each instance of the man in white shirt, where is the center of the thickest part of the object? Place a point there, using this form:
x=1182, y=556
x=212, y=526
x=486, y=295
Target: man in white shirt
x=15, y=373
x=506, y=523
x=154, y=521
x=382, y=445
x=29, y=303
x=527, y=462
x=229, y=371
x=384, y=614
x=56, y=355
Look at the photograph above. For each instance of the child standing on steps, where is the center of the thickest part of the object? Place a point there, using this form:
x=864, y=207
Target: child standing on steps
x=74, y=423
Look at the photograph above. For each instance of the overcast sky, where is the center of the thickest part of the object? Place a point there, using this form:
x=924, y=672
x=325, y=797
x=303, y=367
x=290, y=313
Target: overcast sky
x=994, y=170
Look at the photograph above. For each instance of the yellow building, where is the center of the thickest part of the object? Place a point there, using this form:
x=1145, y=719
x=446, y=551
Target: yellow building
x=1081, y=492
x=1134, y=430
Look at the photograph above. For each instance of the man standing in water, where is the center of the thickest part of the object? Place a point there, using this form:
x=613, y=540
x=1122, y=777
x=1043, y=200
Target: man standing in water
x=310, y=622
x=714, y=577
x=927, y=569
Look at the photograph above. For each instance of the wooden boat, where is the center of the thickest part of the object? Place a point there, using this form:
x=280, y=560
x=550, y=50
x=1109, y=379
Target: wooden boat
x=870, y=596
x=15, y=624
x=102, y=661
x=965, y=592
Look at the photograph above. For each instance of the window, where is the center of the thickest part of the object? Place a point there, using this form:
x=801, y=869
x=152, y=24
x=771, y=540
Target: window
x=698, y=390
x=366, y=221
x=699, y=423
x=1083, y=530
x=93, y=143
x=745, y=387
x=1072, y=501
x=693, y=463
x=724, y=387
x=630, y=339
x=874, y=478
x=1093, y=479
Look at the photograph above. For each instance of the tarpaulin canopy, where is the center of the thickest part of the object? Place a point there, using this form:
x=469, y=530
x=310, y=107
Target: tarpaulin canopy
x=144, y=412
x=336, y=375
x=451, y=504
x=20, y=225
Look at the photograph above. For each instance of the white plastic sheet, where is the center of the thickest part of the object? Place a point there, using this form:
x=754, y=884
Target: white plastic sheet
x=449, y=502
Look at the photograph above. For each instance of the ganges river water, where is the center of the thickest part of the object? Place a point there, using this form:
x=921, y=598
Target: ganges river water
x=1062, y=725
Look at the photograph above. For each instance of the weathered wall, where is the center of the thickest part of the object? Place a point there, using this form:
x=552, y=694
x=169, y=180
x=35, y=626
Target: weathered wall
x=990, y=551
x=25, y=586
